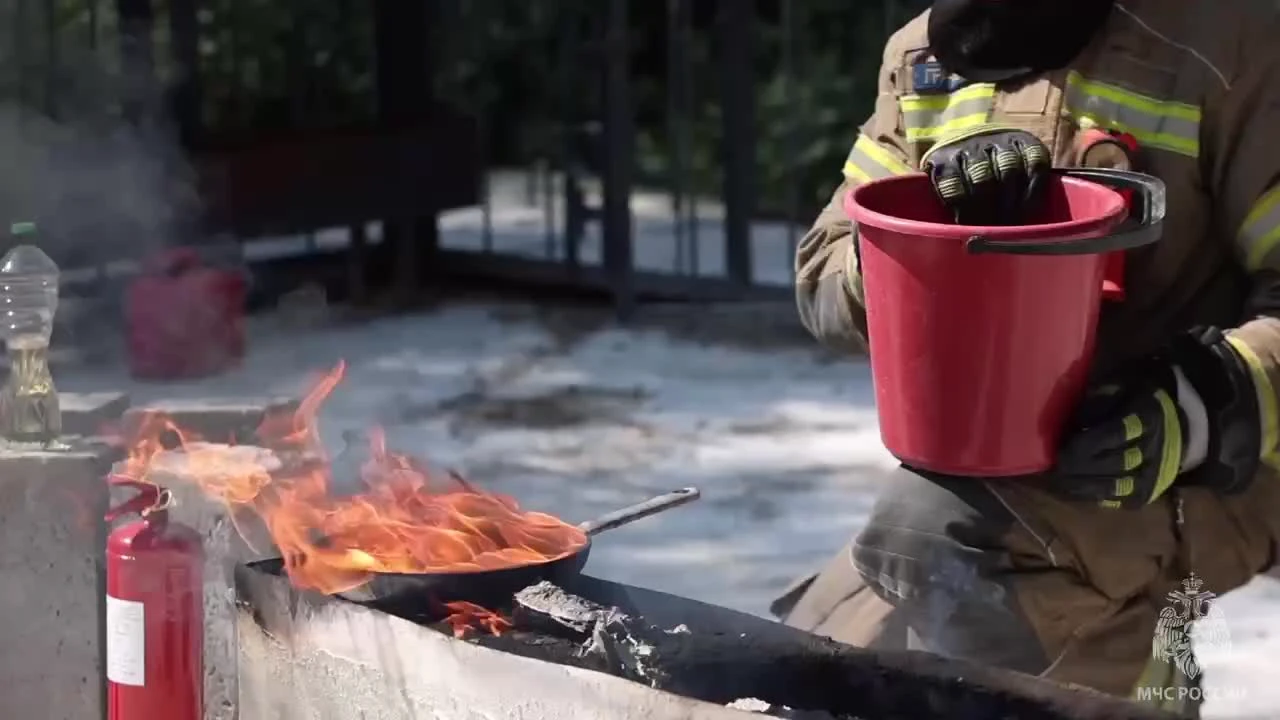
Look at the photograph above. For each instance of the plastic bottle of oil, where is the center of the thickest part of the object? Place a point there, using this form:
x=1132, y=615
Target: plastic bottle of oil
x=29, y=410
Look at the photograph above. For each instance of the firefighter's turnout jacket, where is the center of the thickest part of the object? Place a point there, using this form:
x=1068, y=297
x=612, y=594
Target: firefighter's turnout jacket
x=1197, y=84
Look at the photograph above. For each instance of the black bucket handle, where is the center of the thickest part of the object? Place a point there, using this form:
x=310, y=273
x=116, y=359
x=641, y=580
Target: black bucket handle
x=1144, y=225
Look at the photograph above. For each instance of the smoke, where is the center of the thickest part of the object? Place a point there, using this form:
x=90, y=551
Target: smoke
x=101, y=187
x=98, y=190
x=88, y=151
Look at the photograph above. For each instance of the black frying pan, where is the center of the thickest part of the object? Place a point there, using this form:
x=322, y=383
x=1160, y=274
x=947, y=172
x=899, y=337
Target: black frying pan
x=481, y=586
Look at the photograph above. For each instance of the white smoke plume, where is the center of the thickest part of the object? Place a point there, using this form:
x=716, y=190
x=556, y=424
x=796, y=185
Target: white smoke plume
x=87, y=148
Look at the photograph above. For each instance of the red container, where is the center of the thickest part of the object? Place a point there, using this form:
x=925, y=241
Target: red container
x=981, y=337
x=1113, y=278
x=184, y=319
x=154, y=614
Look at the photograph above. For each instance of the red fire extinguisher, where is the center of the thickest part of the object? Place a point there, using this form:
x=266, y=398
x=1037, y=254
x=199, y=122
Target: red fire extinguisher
x=155, y=611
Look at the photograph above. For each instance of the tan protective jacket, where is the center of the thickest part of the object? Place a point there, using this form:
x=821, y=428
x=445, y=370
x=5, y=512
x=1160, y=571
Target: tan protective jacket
x=1197, y=83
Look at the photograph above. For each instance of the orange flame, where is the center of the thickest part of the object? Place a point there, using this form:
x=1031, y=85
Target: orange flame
x=407, y=520
x=465, y=616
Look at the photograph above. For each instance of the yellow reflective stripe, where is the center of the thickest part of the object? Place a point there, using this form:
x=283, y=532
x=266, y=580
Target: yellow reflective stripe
x=868, y=161
x=1260, y=232
x=1124, y=486
x=1132, y=427
x=1171, y=458
x=1266, y=400
x=947, y=126
x=977, y=91
x=1132, y=459
x=1161, y=124
x=1138, y=101
x=928, y=117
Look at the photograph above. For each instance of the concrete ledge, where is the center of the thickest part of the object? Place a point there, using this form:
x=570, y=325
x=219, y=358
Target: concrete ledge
x=304, y=656
x=91, y=413
x=213, y=419
x=52, y=587
x=327, y=662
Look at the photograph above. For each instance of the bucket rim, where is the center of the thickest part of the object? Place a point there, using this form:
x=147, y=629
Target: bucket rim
x=1116, y=211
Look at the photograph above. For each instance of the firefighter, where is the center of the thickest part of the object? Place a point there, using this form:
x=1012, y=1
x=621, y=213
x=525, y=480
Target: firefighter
x=1166, y=479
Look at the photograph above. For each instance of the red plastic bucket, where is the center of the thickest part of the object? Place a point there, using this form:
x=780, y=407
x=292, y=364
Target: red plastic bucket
x=982, y=338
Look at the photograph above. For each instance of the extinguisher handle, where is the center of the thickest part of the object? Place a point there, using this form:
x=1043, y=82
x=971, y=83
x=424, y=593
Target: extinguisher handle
x=150, y=499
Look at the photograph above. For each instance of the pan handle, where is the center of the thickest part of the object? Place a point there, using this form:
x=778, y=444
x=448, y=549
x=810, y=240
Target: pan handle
x=631, y=513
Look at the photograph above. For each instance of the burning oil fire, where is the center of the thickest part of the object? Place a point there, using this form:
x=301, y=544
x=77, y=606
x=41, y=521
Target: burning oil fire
x=408, y=520
x=465, y=617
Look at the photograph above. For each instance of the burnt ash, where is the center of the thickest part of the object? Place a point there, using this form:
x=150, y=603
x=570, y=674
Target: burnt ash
x=593, y=625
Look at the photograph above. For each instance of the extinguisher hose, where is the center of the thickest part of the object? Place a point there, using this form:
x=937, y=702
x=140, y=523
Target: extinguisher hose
x=151, y=502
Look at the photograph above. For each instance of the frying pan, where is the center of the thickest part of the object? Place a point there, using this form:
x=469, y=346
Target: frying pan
x=481, y=586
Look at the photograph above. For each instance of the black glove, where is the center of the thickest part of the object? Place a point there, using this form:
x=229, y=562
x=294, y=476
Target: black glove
x=1125, y=446
x=988, y=175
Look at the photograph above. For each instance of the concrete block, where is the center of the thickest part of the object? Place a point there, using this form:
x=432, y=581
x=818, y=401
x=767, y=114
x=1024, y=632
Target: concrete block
x=216, y=420
x=91, y=413
x=52, y=582
x=305, y=656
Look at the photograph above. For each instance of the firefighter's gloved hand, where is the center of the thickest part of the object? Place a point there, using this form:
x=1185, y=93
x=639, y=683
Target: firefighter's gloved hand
x=988, y=175
x=1187, y=415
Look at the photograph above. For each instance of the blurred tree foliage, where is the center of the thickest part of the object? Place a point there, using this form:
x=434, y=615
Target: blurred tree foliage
x=815, y=72
x=817, y=63
x=528, y=68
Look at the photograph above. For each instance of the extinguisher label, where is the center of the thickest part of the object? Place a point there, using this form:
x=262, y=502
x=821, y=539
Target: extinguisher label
x=126, y=642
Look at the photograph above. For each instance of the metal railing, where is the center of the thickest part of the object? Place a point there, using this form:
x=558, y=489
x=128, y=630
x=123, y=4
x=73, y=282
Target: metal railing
x=671, y=149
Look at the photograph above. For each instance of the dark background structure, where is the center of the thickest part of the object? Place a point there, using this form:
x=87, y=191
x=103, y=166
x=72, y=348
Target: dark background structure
x=135, y=124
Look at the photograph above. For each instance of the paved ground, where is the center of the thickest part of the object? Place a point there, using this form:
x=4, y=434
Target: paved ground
x=582, y=421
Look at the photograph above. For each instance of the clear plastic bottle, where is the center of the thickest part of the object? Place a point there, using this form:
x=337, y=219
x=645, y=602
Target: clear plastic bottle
x=29, y=410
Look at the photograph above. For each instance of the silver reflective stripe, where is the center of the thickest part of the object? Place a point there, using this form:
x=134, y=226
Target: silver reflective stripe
x=1159, y=124
x=1260, y=232
x=869, y=161
x=928, y=117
